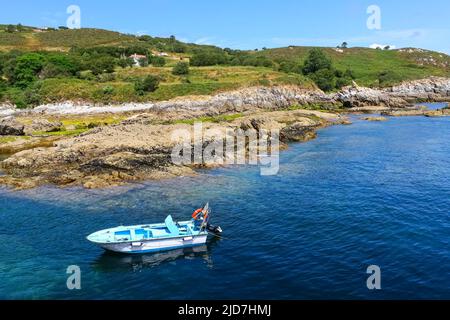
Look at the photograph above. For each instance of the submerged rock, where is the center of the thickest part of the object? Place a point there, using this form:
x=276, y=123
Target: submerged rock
x=375, y=119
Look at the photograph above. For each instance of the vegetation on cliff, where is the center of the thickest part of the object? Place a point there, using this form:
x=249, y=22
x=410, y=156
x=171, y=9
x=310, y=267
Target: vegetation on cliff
x=42, y=66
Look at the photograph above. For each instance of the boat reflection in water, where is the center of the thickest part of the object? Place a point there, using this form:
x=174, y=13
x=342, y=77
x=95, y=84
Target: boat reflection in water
x=113, y=262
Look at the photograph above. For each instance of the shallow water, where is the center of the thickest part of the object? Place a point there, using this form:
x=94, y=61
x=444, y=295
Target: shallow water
x=434, y=105
x=369, y=193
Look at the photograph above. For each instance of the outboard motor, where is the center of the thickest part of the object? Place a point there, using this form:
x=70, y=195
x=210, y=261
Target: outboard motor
x=214, y=229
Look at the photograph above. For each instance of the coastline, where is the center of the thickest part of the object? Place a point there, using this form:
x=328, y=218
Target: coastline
x=139, y=147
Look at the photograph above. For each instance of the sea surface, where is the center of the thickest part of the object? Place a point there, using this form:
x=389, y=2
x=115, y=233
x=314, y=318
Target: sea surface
x=372, y=193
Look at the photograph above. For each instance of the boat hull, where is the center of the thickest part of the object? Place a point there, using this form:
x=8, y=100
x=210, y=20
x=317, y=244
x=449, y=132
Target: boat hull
x=155, y=245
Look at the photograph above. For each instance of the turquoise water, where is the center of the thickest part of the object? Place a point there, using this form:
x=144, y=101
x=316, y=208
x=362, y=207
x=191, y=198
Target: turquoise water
x=369, y=193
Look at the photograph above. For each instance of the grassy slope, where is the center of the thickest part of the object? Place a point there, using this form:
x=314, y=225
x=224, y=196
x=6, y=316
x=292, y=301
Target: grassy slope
x=61, y=40
x=368, y=63
x=203, y=81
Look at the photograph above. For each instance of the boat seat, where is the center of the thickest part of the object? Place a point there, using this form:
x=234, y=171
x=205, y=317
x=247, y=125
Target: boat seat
x=173, y=229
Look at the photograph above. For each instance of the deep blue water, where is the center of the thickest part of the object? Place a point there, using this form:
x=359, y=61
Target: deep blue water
x=369, y=193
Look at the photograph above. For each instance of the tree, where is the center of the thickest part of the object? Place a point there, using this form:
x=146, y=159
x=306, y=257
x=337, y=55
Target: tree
x=319, y=68
x=26, y=69
x=315, y=61
x=181, y=68
x=20, y=27
x=148, y=84
x=387, y=47
x=344, y=45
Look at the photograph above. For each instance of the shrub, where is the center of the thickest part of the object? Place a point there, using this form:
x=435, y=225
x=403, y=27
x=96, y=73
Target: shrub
x=100, y=64
x=206, y=58
x=343, y=82
x=60, y=65
x=325, y=79
x=125, y=62
x=33, y=95
x=10, y=28
x=158, y=61
x=181, y=68
x=349, y=74
x=108, y=90
x=3, y=87
x=387, y=78
x=290, y=67
x=148, y=84
x=178, y=48
x=143, y=62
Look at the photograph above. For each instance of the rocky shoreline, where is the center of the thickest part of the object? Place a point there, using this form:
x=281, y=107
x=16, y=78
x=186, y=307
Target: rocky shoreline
x=140, y=146
x=137, y=150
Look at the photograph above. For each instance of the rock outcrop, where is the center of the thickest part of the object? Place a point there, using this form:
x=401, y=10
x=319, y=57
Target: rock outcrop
x=140, y=147
x=43, y=125
x=431, y=89
x=9, y=126
x=269, y=98
x=112, y=155
x=357, y=97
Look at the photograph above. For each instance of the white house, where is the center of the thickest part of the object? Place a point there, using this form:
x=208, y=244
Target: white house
x=137, y=58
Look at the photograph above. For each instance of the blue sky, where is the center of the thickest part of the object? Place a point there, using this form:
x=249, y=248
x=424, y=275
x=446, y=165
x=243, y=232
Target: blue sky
x=250, y=24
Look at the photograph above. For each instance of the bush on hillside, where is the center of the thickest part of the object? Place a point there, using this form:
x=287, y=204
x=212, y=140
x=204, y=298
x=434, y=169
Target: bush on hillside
x=158, y=61
x=324, y=79
x=148, y=84
x=181, y=68
x=207, y=58
x=387, y=78
x=101, y=64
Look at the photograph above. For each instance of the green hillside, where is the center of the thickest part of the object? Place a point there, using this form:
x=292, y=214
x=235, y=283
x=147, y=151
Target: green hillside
x=50, y=65
x=368, y=63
